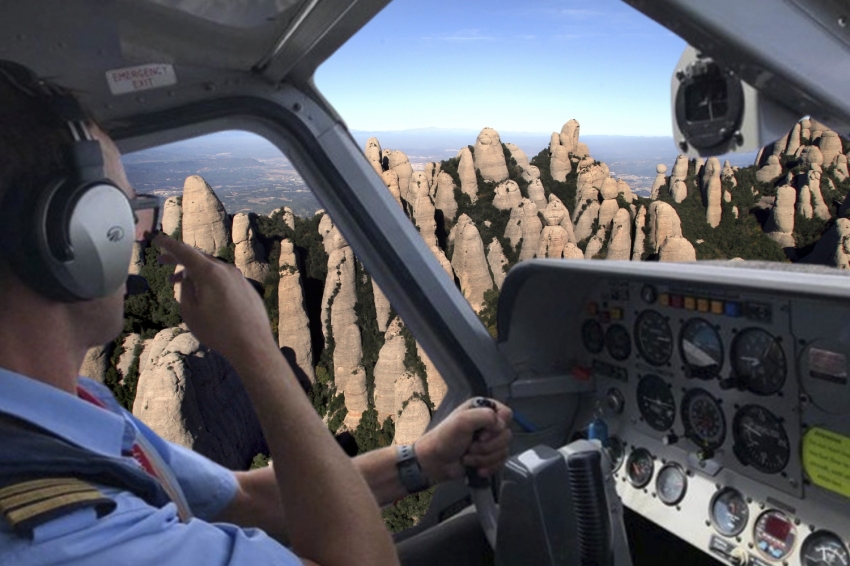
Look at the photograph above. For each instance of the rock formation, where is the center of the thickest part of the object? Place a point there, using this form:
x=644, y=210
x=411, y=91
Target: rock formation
x=804, y=202
x=524, y=224
x=137, y=260
x=811, y=155
x=595, y=244
x=771, y=171
x=382, y=307
x=830, y=147
x=607, y=210
x=125, y=360
x=663, y=223
x=713, y=191
x=288, y=217
x=469, y=262
x=249, y=253
x=190, y=395
x=587, y=216
x=728, y=174
x=339, y=321
x=373, y=154
x=444, y=199
x=678, y=190
x=172, y=212
x=818, y=205
x=620, y=246
x=569, y=136
x=437, y=387
x=466, y=172
x=537, y=193
x=559, y=159
x=96, y=362
x=660, y=181
x=841, y=171
x=640, y=236
x=398, y=162
x=390, y=179
x=519, y=156
x=206, y=225
x=677, y=248
x=432, y=172
x=680, y=170
x=489, y=156
x=388, y=369
x=293, y=329
x=793, y=140
x=497, y=261
x=780, y=223
x=412, y=422
x=507, y=195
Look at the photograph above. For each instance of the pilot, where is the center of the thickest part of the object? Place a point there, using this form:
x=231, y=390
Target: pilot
x=84, y=482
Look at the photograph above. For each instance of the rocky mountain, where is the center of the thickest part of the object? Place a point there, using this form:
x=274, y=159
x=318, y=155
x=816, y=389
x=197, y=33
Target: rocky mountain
x=480, y=213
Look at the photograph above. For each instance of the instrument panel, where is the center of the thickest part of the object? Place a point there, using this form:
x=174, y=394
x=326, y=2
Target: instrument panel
x=726, y=406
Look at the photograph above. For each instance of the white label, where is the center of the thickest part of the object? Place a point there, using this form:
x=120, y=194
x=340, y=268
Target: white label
x=143, y=77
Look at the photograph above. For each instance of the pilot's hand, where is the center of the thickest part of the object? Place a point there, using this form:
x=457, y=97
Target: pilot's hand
x=448, y=448
x=217, y=303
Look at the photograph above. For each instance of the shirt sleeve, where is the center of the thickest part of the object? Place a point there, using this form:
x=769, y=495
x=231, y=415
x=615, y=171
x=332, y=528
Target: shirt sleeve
x=136, y=533
x=208, y=486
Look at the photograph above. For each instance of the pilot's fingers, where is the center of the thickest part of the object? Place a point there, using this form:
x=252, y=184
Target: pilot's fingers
x=490, y=461
x=472, y=420
x=182, y=253
x=505, y=414
x=494, y=444
x=492, y=431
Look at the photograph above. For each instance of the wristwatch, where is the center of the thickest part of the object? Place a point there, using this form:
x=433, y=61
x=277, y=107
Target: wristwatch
x=409, y=471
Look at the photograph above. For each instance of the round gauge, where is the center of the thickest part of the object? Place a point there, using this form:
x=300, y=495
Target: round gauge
x=593, y=336
x=648, y=294
x=618, y=341
x=671, y=484
x=759, y=361
x=653, y=337
x=656, y=403
x=729, y=512
x=701, y=349
x=704, y=422
x=823, y=548
x=616, y=452
x=775, y=534
x=639, y=467
x=760, y=439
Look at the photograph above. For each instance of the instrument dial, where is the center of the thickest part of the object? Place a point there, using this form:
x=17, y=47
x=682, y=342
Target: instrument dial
x=653, y=337
x=760, y=439
x=616, y=452
x=639, y=467
x=671, y=484
x=704, y=422
x=729, y=512
x=701, y=349
x=656, y=403
x=759, y=361
x=618, y=342
x=823, y=548
x=593, y=336
x=775, y=534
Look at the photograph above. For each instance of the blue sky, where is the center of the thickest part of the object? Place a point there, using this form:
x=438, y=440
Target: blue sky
x=519, y=65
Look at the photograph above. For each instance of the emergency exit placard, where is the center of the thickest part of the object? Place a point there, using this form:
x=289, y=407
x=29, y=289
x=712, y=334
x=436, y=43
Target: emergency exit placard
x=141, y=77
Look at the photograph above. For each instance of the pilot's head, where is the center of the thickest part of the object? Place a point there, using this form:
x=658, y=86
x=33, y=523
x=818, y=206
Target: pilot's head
x=66, y=221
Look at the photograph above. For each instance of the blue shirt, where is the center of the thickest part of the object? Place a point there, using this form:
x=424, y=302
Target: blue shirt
x=135, y=532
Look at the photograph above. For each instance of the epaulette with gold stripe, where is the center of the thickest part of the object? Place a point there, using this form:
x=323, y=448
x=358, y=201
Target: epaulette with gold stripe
x=29, y=504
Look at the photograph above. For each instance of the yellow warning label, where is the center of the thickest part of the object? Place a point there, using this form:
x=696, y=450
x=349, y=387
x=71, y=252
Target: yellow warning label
x=826, y=460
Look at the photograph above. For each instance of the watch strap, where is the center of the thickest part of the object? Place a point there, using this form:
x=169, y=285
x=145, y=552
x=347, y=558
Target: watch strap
x=409, y=471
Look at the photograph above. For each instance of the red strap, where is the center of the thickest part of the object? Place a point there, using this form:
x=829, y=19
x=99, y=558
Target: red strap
x=137, y=452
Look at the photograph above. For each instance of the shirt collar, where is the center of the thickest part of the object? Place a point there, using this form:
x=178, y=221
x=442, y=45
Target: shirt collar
x=61, y=413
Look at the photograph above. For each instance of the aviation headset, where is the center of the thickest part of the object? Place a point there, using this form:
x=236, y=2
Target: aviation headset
x=72, y=238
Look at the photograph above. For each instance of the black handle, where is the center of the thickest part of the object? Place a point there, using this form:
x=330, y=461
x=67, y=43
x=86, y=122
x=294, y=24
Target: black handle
x=473, y=480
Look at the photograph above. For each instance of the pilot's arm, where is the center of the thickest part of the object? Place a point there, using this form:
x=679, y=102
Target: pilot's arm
x=443, y=454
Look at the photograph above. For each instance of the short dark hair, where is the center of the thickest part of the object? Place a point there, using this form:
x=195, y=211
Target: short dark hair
x=34, y=140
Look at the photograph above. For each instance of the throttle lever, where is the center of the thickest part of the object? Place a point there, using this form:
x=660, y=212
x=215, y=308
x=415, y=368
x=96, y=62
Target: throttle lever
x=473, y=480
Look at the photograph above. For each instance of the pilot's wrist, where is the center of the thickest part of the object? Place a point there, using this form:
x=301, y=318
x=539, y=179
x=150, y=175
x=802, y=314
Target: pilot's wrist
x=410, y=472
